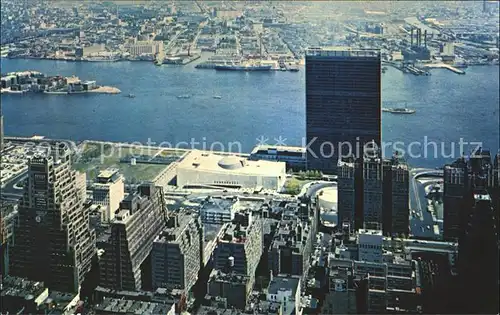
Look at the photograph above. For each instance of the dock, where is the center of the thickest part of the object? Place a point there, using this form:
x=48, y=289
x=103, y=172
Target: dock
x=445, y=66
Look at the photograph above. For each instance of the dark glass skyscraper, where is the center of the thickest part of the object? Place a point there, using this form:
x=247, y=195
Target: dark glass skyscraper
x=342, y=103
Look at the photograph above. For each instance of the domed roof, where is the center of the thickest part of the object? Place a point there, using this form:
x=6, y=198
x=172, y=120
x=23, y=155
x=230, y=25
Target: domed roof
x=231, y=163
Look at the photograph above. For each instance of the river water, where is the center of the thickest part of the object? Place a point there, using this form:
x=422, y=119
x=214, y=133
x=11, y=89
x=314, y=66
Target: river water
x=264, y=106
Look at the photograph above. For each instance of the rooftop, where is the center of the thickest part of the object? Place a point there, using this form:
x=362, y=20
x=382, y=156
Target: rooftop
x=220, y=276
x=279, y=149
x=20, y=287
x=107, y=174
x=120, y=306
x=370, y=232
x=341, y=51
x=283, y=283
x=210, y=162
x=174, y=233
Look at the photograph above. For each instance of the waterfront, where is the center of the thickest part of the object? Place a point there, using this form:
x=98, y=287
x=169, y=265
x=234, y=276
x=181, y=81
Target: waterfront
x=269, y=104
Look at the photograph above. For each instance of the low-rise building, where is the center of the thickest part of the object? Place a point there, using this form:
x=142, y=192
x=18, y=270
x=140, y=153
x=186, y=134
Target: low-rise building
x=116, y=306
x=285, y=291
x=294, y=157
x=203, y=168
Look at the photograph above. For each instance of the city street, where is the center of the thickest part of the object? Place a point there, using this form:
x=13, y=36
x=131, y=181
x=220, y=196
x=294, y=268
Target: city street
x=421, y=223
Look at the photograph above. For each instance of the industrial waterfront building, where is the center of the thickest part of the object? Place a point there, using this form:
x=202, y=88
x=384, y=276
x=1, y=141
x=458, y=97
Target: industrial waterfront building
x=108, y=191
x=145, y=48
x=125, y=264
x=54, y=242
x=343, y=104
x=374, y=193
x=209, y=169
x=177, y=257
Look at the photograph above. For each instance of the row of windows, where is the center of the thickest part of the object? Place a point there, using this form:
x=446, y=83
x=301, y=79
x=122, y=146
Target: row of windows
x=225, y=182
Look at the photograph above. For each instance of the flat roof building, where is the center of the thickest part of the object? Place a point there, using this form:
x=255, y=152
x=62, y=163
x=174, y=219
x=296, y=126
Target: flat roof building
x=108, y=191
x=294, y=157
x=140, y=219
x=286, y=291
x=54, y=241
x=203, y=168
x=177, y=257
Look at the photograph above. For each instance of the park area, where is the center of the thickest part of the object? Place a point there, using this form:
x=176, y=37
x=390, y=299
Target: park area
x=137, y=164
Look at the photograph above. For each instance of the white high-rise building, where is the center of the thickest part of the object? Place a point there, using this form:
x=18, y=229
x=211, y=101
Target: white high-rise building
x=370, y=245
x=108, y=192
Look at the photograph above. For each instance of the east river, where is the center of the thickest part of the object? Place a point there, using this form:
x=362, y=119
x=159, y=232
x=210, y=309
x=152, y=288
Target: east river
x=265, y=106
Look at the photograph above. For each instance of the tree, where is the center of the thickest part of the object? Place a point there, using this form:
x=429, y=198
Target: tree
x=292, y=187
x=302, y=175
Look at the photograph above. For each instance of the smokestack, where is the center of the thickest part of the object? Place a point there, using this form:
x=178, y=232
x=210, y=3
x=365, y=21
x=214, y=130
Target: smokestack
x=425, y=38
x=411, y=36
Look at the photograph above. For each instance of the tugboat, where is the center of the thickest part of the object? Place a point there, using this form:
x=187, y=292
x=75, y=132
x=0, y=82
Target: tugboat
x=399, y=110
x=131, y=95
x=404, y=110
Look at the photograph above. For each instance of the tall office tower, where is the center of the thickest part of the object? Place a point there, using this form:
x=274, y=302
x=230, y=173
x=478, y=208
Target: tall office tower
x=455, y=177
x=243, y=241
x=176, y=257
x=1, y=128
x=373, y=193
x=8, y=219
x=342, y=103
x=478, y=239
x=54, y=241
x=108, y=191
x=140, y=219
x=396, y=197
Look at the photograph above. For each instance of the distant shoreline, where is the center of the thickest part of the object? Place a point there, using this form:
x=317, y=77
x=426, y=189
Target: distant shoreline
x=78, y=60
x=99, y=90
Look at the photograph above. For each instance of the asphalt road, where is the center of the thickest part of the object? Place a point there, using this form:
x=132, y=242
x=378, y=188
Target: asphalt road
x=418, y=203
x=9, y=187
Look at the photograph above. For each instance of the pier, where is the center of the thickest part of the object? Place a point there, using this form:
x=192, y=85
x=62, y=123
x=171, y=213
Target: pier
x=445, y=66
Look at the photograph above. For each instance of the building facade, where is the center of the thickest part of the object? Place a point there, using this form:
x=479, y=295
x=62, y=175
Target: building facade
x=236, y=258
x=177, y=257
x=343, y=102
x=478, y=236
x=291, y=247
x=140, y=219
x=374, y=193
x=108, y=191
x=54, y=241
